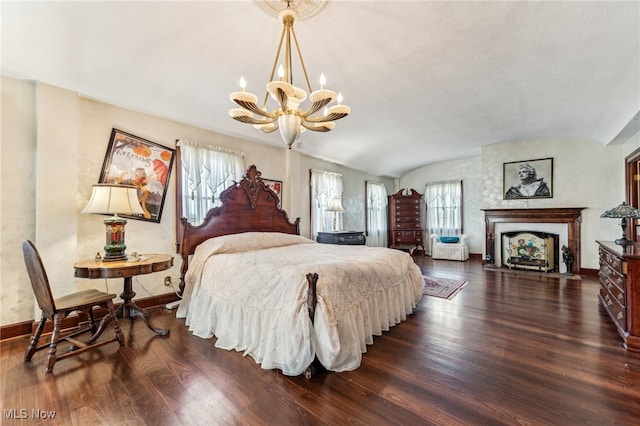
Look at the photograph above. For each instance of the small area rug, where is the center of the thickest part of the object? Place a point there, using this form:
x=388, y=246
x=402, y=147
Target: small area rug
x=444, y=288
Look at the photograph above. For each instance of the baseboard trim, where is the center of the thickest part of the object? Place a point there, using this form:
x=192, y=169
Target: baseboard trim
x=18, y=329
x=26, y=328
x=589, y=272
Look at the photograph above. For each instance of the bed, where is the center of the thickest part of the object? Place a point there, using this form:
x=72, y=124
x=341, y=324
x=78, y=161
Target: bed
x=250, y=280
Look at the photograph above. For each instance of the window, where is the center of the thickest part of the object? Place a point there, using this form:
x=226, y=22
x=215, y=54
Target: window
x=205, y=172
x=444, y=208
x=376, y=214
x=324, y=187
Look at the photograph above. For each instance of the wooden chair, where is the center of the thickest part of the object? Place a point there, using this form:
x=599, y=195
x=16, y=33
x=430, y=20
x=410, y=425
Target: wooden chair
x=58, y=309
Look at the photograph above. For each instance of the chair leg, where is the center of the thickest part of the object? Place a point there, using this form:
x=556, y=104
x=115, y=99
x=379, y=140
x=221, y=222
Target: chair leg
x=51, y=359
x=92, y=321
x=33, y=346
x=110, y=316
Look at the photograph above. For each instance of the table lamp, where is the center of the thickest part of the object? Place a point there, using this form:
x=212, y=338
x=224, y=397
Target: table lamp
x=335, y=206
x=114, y=199
x=623, y=211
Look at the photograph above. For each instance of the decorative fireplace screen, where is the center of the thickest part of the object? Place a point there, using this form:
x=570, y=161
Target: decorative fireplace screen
x=530, y=250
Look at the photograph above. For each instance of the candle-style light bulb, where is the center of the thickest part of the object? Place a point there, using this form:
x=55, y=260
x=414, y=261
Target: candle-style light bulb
x=323, y=81
x=281, y=72
x=243, y=83
x=339, y=98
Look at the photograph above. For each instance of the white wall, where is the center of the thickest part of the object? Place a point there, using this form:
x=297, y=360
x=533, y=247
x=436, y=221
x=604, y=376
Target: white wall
x=57, y=182
x=50, y=172
x=17, y=196
x=586, y=174
x=469, y=171
x=632, y=144
x=53, y=146
x=353, y=197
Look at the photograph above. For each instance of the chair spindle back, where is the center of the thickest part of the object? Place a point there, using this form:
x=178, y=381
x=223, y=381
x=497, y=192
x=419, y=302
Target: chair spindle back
x=38, y=277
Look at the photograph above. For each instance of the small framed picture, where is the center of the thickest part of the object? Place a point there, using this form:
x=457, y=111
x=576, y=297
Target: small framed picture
x=131, y=160
x=275, y=186
x=528, y=179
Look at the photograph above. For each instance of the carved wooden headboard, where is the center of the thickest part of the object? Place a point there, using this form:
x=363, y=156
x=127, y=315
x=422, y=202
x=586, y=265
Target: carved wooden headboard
x=247, y=206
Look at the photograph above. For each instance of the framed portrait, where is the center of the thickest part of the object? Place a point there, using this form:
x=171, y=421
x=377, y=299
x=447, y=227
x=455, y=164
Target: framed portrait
x=275, y=186
x=131, y=160
x=528, y=179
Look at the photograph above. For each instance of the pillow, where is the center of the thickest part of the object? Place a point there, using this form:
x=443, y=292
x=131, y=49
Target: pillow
x=247, y=241
x=449, y=239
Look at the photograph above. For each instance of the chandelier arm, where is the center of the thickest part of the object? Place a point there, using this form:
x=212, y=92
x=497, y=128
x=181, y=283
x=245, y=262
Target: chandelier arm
x=329, y=117
x=322, y=129
x=250, y=106
x=282, y=98
x=270, y=130
x=251, y=120
x=316, y=106
x=275, y=64
x=304, y=69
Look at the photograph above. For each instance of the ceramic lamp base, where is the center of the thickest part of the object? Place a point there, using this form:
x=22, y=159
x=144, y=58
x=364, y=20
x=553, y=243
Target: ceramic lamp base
x=115, y=247
x=624, y=241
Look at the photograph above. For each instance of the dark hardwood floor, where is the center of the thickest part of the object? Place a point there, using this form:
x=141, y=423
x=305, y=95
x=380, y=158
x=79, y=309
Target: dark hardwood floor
x=509, y=349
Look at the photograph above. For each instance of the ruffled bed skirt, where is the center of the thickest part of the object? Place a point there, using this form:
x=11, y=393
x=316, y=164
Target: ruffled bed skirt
x=254, y=303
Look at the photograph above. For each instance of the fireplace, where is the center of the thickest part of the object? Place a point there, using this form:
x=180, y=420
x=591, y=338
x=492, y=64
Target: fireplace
x=530, y=250
x=542, y=220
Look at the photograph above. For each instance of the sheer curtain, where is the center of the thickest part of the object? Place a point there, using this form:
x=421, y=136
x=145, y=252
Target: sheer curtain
x=444, y=208
x=206, y=172
x=324, y=186
x=377, y=215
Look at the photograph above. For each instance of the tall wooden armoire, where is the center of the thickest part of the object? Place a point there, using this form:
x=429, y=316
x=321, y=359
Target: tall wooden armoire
x=405, y=220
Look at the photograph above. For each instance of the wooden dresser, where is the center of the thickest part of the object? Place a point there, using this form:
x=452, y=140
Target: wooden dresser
x=405, y=220
x=620, y=289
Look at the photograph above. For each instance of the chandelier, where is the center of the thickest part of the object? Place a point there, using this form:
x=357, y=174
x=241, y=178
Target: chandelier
x=289, y=116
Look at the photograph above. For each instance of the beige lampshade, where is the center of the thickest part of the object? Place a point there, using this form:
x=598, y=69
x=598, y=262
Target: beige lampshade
x=335, y=205
x=114, y=199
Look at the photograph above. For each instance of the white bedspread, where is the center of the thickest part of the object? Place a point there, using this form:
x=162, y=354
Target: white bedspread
x=250, y=291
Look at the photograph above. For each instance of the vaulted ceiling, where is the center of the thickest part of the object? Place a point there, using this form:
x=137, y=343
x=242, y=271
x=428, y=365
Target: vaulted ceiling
x=426, y=81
